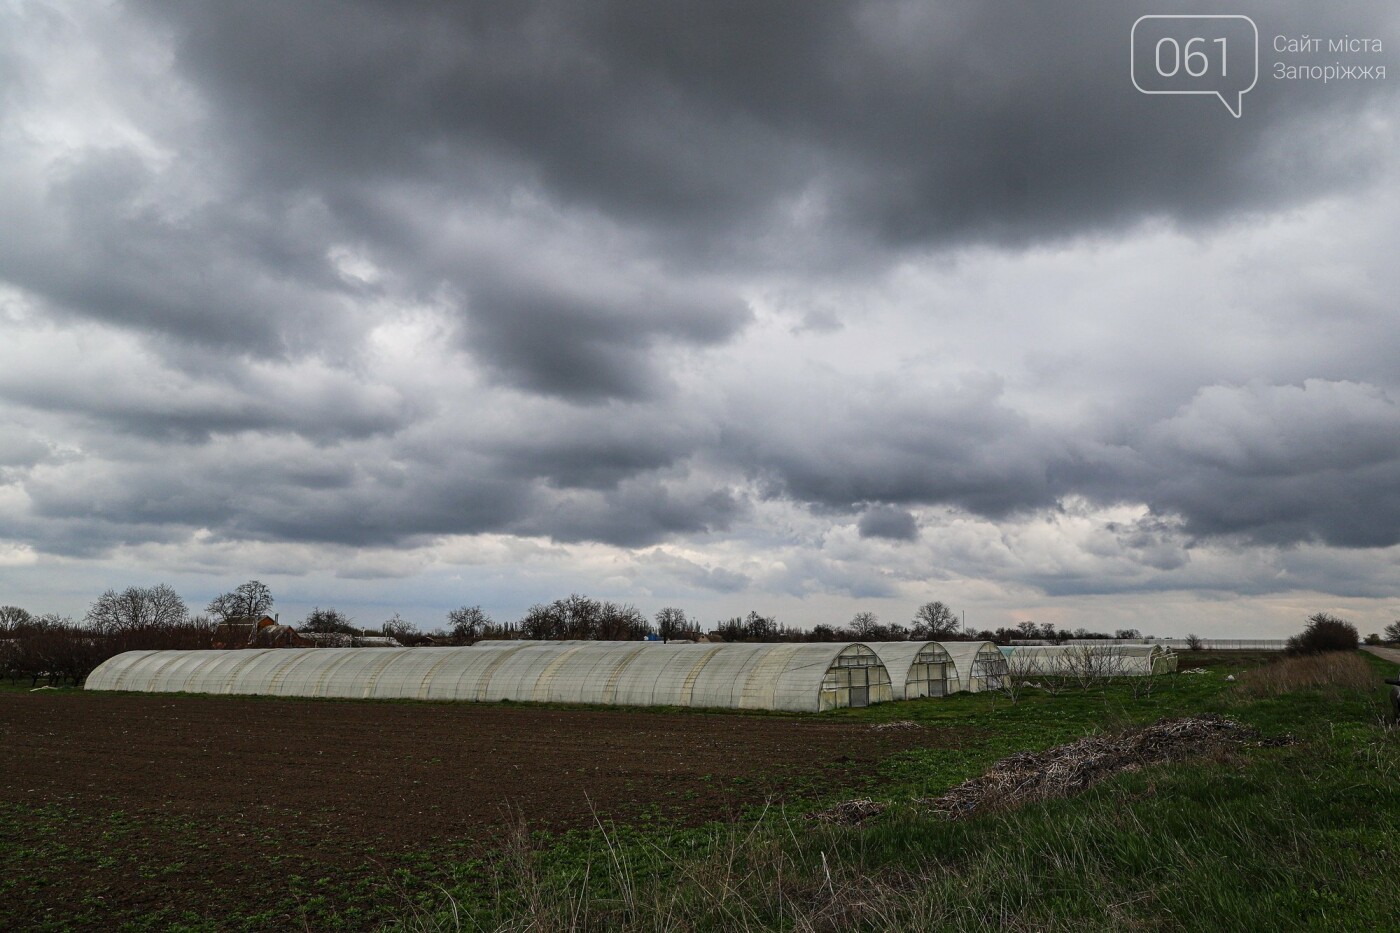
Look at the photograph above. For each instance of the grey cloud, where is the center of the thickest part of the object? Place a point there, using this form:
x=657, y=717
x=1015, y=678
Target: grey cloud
x=1151, y=542
x=1282, y=464
x=811, y=573
x=268, y=491
x=242, y=277
x=21, y=448
x=1269, y=464
x=639, y=513
x=598, y=448
x=882, y=521
x=377, y=490
x=554, y=339
x=323, y=409
x=715, y=579
x=884, y=441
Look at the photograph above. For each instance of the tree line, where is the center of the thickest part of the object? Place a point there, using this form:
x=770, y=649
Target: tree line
x=60, y=649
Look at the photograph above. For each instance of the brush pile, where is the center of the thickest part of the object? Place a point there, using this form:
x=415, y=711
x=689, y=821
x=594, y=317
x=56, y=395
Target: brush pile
x=1070, y=769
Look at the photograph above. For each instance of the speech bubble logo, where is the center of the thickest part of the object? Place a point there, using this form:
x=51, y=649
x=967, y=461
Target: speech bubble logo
x=1214, y=54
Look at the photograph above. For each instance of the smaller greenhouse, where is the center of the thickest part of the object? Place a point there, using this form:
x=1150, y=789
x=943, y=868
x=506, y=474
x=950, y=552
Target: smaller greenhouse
x=979, y=665
x=917, y=668
x=1090, y=660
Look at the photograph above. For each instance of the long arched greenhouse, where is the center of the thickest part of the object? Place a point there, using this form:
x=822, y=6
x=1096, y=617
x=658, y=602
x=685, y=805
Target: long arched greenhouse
x=799, y=677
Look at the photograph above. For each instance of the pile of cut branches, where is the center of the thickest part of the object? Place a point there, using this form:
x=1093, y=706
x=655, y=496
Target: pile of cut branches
x=1070, y=769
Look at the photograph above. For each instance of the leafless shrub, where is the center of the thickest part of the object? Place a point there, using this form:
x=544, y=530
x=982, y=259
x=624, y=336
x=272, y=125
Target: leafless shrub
x=1021, y=669
x=1089, y=665
x=1143, y=686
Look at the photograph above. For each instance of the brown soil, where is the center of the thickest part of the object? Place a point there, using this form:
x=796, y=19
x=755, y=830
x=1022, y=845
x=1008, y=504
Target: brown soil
x=128, y=805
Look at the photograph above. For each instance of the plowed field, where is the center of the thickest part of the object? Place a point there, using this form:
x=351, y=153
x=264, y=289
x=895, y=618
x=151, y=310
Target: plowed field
x=191, y=809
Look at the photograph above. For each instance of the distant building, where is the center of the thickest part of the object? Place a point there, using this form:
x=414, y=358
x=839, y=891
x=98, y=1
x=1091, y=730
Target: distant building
x=257, y=632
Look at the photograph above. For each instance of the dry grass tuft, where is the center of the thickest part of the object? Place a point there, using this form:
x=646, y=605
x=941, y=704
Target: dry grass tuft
x=1344, y=670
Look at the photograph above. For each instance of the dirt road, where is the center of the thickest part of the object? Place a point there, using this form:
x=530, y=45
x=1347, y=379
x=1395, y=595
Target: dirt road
x=1390, y=654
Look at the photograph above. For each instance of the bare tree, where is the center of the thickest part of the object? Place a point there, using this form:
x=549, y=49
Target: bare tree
x=401, y=630
x=934, y=621
x=583, y=618
x=1019, y=671
x=250, y=599
x=329, y=621
x=137, y=607
x=672, y=623
x=1392, y=631
x=760, y=627
x=1142, y=686
x=12, y=616
x=1194, y=643
x=753, y=627
x=1088, y=665
x=865, y=626
x=467, y=624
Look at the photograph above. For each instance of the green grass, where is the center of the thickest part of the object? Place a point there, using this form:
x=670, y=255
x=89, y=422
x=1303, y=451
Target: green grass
x=1305, y=836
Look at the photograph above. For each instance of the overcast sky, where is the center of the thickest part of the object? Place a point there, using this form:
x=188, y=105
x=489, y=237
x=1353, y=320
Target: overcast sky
x=804, y=307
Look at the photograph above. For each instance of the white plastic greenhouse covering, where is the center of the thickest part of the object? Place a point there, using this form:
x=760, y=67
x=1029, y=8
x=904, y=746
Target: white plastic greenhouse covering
x=798, y=677
x=980, y=665
x=1099, y=660
x=917, y=668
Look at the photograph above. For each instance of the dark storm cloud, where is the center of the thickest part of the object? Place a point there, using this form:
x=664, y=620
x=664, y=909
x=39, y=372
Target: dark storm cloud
x=638, y=513
x=598, y=448
x=1281, y=464
x=269, y=491
x=240, y=277
x=557, y=338
x=912, y=121
x=1266, y=464
x=379, y=491
x=882, y=521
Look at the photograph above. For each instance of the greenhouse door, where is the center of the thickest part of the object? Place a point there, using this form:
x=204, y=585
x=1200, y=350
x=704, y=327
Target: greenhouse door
x=860, y=686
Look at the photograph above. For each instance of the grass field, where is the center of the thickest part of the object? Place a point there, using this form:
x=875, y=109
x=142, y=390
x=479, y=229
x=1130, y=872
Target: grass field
x=1298, y=836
